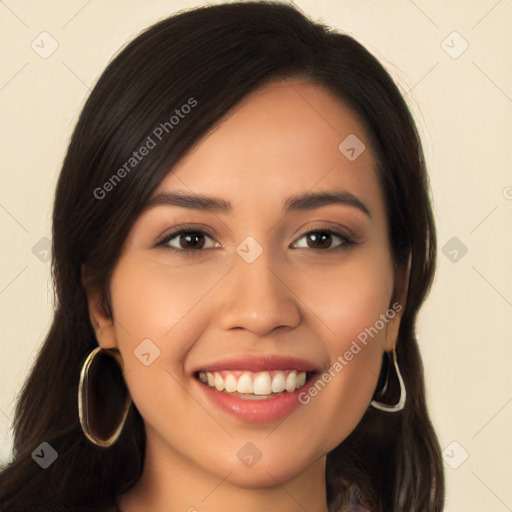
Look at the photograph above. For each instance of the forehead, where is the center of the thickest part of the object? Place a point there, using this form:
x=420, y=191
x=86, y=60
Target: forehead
x=287, y=138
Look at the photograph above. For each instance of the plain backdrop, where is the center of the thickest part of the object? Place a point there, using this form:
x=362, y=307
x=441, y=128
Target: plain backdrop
x=452, y=61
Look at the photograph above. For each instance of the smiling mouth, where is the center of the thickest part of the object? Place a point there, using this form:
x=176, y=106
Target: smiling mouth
x=254, y=385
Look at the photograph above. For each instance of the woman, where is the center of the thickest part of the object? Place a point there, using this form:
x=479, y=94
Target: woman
x=242, y=239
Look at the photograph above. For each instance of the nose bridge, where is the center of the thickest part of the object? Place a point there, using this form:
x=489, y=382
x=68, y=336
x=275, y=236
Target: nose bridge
x=257, y=298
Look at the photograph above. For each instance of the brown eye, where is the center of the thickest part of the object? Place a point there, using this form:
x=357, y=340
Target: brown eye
x=324, y=239
x=191, y=241
x=188, y=241
x=319, y=240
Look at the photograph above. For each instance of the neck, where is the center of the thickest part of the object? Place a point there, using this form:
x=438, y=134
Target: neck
x=172, y=483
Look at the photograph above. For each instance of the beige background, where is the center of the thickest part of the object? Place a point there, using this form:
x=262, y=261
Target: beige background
x=463, y=106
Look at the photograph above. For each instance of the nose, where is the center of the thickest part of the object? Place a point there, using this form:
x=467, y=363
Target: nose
x=259, y=297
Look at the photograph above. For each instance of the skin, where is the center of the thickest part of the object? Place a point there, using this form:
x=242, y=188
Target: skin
x=294, y=299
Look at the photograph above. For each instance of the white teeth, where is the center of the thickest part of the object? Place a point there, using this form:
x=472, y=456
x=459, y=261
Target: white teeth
x=245, y=384
x=262, y=384
x=291, y=381
x=218, y=381
x=279, y=382
x=231, y=383
x=254, y=383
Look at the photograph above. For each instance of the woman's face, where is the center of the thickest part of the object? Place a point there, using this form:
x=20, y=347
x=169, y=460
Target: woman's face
x=270, y=276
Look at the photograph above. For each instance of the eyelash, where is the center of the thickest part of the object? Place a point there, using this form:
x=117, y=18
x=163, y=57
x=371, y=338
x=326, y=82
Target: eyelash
x=166, y=238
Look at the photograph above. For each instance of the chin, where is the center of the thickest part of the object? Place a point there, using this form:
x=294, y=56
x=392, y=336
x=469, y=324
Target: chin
x=266, y=473
x=264, y=476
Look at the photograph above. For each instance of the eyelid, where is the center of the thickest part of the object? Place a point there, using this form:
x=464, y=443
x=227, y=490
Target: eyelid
x=328, y=226
x=177, y=230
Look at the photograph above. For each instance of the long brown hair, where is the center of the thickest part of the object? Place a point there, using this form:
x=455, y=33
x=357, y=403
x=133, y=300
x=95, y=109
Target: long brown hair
x=216, y=55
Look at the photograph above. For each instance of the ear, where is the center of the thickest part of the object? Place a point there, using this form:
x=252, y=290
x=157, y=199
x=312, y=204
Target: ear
x=397, y=305
x=101, y=320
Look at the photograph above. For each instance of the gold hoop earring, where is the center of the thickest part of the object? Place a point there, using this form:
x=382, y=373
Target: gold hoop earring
x=103, y=398
x=403, y=394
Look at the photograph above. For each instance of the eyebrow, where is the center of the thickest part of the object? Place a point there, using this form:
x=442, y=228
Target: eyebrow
x=296, y=203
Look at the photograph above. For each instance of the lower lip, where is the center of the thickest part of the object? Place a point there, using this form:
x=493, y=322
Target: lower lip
x=266, y=410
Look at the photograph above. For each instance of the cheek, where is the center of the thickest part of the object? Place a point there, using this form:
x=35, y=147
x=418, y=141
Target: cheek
x=349, y=298
x=151, y=310
x=159, y=313
x=155, y=301
x=353, y=306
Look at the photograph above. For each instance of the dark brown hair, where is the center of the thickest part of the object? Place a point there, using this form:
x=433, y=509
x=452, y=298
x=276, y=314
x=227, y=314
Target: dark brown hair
x=216, y=55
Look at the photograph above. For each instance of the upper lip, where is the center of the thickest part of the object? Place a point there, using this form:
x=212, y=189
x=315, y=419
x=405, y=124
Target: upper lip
x=259, y=363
